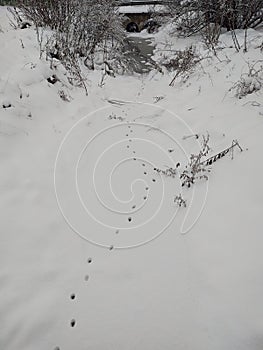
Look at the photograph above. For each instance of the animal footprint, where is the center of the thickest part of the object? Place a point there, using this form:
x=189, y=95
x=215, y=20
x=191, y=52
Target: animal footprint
x=73, y=323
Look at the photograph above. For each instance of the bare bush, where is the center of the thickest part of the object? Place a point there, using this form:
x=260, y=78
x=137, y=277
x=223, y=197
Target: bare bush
x=231, y=14
x=199, y=166
x=182, y=62
x=197, y=169
x=80, y=31
x=250, y=82
x=210, y=35
x=170, y=172
x=196, y=16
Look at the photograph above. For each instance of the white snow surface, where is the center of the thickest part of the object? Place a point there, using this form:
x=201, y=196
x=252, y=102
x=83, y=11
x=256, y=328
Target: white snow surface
x=194, y=291
x=141, y=8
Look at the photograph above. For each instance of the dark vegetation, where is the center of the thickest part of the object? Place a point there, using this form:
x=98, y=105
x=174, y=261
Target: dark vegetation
x=195, y=15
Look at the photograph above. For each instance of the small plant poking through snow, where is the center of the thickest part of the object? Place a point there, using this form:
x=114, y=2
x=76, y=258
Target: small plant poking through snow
x=114, y=117
x=64, y=96
x=171, y=172
x=199, y=165
x=180, y=201
x=249, y=82
x=158, y=98
x=197, y=169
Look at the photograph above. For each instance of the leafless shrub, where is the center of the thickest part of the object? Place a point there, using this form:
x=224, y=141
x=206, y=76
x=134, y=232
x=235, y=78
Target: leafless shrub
x=170, y=172
x=250, y=82
x=197, y=169
x=210, y=35
x=231, y=14
x=196, y=16
x=80, y=31
x=199, y=166
x=183, y=62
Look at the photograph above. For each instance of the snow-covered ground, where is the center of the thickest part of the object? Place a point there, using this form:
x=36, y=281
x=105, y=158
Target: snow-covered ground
x=141, y=8
x=74, y=247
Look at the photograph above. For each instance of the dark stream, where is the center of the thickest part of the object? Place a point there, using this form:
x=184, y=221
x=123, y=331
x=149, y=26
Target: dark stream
x=143, y=50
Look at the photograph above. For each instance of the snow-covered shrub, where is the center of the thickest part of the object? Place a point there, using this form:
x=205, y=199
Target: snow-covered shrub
x=197, y=169
x=182, y=62
x=81, y=31
x=80, y=26
x=231, y=14
x=210, y=35
x=247, y=85
x=197, y=16
x=249, y=82
x=170, y=172
x=84, y=23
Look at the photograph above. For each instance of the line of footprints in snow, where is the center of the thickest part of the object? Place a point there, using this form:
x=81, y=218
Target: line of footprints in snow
x=145, y=173
x=73, y=297
x=86, y=278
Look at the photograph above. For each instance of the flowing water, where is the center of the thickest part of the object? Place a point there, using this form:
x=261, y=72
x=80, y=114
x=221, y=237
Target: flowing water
x=143, y=53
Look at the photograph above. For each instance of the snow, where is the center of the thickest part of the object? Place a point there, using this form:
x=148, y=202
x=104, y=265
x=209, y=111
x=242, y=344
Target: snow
x=141, y=9
x=197, y=290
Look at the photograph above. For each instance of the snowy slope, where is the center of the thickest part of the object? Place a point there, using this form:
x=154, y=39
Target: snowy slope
x=138, y=284
x=140, y=9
